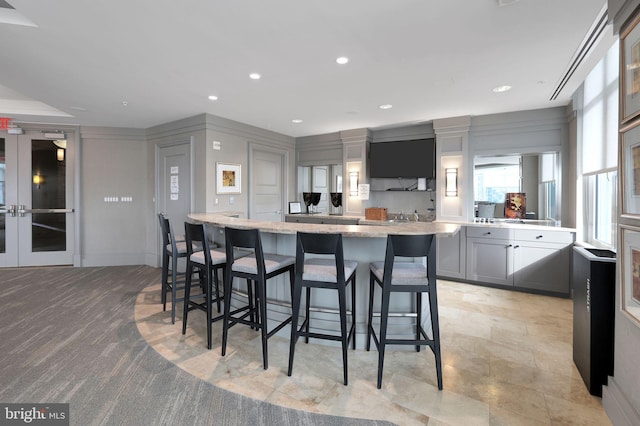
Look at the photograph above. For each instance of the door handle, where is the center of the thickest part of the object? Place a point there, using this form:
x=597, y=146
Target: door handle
x=11, y=210
x=22, y=210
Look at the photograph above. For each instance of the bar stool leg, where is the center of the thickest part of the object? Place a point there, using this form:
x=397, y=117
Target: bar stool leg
x=343, y=328
x=262, y=308
x=370, y=321
x=207, y=295
x=174, y=278
x=307, y=315
x=295, y=308
x=435, y=331
x=165, y=278
x=353, y=310
x=226, y=315
x=384, y=315
x=187, y=292
x=418, y=318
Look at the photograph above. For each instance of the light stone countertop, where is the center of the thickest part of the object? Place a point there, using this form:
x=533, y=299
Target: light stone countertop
x=374, y=231
x=524, y=224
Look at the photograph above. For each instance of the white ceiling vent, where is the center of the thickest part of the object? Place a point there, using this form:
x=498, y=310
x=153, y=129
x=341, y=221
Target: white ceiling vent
x=503, y=3
x=9, y=15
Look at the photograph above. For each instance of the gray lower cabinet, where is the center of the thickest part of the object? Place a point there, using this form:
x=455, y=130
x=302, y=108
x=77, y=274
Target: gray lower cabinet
x=536, y=260
x=490, y=255
x=452, y=253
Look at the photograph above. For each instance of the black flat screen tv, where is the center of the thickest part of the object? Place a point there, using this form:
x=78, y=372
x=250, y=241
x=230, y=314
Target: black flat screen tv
x=402, y=159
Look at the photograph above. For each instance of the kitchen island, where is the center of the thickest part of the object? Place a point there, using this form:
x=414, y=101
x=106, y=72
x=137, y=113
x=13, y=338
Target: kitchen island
x=362, y=243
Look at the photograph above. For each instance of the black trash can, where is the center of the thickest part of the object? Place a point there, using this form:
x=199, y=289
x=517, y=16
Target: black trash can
x=594, y=280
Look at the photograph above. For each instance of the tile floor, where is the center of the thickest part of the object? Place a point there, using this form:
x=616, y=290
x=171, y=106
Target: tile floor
x=507, y=360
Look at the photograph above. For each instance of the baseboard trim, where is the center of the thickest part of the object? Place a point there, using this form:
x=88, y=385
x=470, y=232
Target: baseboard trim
x=115, y=259
x=617, y=406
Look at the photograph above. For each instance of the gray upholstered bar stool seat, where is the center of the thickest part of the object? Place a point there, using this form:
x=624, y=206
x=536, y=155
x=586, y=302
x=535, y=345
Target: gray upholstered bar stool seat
x=331, y=272
x=411, y=277
x=256, y=268
x=172, y=279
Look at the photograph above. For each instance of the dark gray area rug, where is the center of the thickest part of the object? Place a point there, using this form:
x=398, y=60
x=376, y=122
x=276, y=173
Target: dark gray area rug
x=68, y=335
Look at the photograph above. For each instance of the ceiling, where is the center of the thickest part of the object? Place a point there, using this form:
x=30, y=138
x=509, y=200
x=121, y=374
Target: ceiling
x=147, y=62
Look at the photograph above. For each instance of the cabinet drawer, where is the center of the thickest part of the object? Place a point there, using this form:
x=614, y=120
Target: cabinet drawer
x=488, y=232
x=544, y=236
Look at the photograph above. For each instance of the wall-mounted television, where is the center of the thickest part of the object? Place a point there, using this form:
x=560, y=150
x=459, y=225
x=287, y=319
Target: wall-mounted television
x=403, y=159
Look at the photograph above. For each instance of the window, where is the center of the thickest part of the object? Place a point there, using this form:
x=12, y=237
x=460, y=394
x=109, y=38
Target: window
x=597, y=145
x=601, y=192
x=492, y=181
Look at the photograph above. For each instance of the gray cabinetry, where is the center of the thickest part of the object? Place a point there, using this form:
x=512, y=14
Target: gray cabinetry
x=490, y=255
x=452, y=252
x=542, y=260
x=528, y=259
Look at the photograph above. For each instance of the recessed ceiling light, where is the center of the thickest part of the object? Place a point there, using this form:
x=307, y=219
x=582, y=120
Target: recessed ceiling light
x=501, y=89
x=254, y=76
x=342, y=60
x=296, y=121
x=125, y=103
x=213, y=98
x=385, y=106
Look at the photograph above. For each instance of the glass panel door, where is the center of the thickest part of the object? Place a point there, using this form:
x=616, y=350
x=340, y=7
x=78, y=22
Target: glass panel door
x=48, y=221
x=36, y=201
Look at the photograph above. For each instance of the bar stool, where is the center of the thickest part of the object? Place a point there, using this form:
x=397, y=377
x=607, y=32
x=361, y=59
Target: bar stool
x=406, y=277
x=256, y=268
x=331, y=273
x=172, y=250
x=207, y=263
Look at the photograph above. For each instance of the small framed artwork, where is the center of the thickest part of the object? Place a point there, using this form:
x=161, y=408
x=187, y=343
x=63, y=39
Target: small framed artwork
x=630, y=74
x=228, y=178
x=630, y=171
x=630, y=267
x=295, y=207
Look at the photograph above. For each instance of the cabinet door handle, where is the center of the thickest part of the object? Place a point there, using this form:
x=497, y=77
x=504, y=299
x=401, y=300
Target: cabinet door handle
x=487, y=233
x=538, y=237
x=510, y=245
x=515, y=247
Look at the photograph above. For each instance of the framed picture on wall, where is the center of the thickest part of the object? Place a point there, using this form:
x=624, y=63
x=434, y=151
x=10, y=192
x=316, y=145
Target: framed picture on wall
x=228, y=178
x=630, y=267
x=629, y=170
x=630, y=74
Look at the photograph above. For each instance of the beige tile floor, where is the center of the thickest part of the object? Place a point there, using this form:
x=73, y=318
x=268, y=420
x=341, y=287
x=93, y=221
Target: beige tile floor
x=507, y=360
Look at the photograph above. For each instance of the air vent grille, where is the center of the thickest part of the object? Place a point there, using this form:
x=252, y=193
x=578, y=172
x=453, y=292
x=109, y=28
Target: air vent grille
x=583, y=51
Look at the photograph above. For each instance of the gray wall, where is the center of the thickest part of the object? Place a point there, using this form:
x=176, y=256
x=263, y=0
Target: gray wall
x=122, y=162
x=527, y=132
x=113, y=163
x=621, y=398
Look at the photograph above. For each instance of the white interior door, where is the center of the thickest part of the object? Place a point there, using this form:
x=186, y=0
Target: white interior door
x=267, y=185
x=36, y=201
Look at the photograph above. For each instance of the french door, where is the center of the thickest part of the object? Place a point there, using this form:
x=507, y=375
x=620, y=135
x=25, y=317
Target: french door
x=36, y=201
